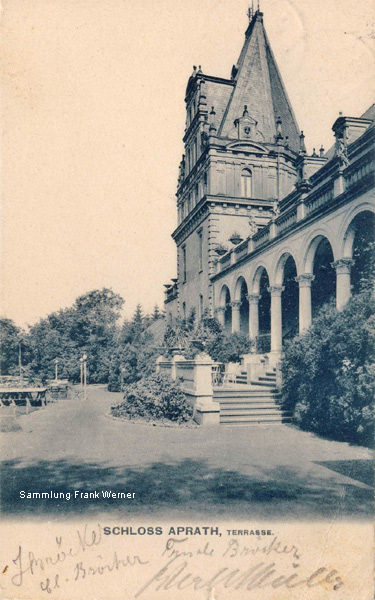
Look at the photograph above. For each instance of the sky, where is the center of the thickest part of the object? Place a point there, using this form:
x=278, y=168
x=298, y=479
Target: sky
x=93, y=116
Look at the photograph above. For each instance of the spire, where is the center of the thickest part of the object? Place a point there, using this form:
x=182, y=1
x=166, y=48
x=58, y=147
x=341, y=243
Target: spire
x=258, y=84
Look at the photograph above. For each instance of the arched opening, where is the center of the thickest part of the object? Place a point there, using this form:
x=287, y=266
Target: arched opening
x=244, y=309
x=290, y=299
x=323, y=288
x=264, y=337
x=362, y=230
x=246, y=183
x=226, y=302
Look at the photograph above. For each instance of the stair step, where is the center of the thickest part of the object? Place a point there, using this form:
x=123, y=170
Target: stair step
x=245, y=410
x=225, y=406
x=248, y=393
x=253, y=419
x=266, y=383
x=253, y=423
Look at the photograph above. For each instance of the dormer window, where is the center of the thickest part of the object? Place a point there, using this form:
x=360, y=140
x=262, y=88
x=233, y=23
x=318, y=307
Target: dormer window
x=246, y=183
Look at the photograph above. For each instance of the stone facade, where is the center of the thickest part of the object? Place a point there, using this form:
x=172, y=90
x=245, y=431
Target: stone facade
x=245, y=171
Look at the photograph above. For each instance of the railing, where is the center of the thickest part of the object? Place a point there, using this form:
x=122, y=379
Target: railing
x=287, y=219
x=241, y=250
x=261, y=237
x=225, y=260
x=357, y=172
x=171, y=293
x=319, y=198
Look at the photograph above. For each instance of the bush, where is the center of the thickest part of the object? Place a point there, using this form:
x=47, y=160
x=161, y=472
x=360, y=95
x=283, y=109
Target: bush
x=154, y=397
x=228, y=348
x=328, y=373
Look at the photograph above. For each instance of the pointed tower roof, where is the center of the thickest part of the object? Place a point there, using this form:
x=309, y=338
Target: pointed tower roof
x=258, y=84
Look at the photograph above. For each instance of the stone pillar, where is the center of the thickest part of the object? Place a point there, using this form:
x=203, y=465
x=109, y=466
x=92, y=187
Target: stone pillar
x=343, y=290
x=253, y=315
x=206, y=410
x=220, y=315
x=276, y=318
x=236, y=316
x=304, y=282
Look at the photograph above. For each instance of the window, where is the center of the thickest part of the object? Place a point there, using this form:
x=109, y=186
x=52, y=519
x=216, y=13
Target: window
x=183, y=264
x=246, y=184
x=200, y=250
x=184, y=311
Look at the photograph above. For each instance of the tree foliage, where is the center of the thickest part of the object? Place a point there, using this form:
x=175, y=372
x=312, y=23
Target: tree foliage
x=328, y=373
x=88, y=327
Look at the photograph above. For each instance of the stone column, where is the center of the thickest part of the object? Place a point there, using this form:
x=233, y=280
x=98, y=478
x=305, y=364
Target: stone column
x=343, y=290
x=276, y=318
x=304, y=282
x=253, y=315
x=220, y=315
x=236, y=316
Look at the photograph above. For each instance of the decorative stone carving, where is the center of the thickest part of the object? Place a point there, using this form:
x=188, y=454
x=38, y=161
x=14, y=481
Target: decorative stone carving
x=254, y=298
x=276, y=290
x=305, y=279
x=343, y=265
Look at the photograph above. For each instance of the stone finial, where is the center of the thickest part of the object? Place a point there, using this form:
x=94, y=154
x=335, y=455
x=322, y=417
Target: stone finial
x=245, y=111
x=314, y=154
x=302, y=147
x=200, y=70
x=321, y=151
x=279, y=130
x=213, y=128
x=194, y=74
x=286, y=142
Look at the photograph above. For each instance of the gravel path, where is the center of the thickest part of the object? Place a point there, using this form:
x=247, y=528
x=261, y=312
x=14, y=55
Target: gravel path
x=273, y=472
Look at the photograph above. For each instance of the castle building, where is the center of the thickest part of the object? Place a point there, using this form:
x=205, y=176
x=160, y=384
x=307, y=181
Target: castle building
x=266, y=233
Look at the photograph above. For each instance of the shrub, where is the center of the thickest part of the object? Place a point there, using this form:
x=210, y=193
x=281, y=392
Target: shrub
x=328, y=373
x=228, y=348
x=154, y=397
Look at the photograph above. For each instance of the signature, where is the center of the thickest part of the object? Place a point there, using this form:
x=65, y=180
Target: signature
x=28, y=564
x=195, y=567
x=178, y=573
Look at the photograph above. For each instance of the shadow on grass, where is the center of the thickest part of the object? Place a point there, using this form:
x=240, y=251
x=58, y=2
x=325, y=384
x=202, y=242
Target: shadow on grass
x=360, y=470
x=189, y=484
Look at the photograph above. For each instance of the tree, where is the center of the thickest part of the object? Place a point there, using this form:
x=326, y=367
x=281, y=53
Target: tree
x=10, y=338
x=88, y=327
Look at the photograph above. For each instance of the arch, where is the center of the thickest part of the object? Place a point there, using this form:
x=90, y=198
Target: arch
x=238, y=286
x=311, y=245
x=261, y=285
x=256, y=279
x=361, y=235
x=225, y=301
x=280, y=266
x=246, y=183
x=290, y=298
x=223, y=294
x=347, y=232
x=241, y=295
x=323, y=287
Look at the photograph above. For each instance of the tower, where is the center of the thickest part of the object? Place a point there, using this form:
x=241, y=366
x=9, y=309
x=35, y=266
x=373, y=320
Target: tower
x=241, y=147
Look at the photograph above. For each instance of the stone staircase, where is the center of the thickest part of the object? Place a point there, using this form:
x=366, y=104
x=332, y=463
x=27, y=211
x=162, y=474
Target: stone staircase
x=250, y=402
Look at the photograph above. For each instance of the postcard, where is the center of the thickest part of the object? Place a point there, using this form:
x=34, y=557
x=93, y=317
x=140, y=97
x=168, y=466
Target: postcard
x=187, y=230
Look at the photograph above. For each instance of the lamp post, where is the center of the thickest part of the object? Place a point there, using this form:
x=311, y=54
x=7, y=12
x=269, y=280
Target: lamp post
x=56, y=362
x=20, y=359
x=81, y=371
x=84, y=359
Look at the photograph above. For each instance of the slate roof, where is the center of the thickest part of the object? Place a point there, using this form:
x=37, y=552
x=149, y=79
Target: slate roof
x=258, y=85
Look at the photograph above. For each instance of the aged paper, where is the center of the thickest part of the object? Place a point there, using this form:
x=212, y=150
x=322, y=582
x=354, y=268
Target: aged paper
x=323, y=552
